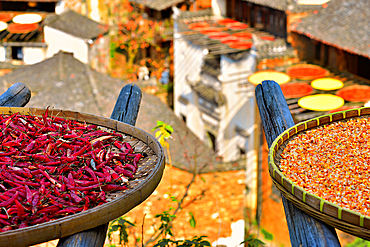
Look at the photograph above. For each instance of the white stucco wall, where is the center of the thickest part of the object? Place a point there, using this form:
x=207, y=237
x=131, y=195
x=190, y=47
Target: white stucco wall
x=240, y=107
x=2, y=54
x=32, y=55
x=188, y=59
x=58, y=40
x=219, y=7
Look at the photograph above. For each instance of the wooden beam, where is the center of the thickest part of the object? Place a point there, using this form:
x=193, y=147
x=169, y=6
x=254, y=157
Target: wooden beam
x=304, y=230
x=17, y=95
x=126, y=110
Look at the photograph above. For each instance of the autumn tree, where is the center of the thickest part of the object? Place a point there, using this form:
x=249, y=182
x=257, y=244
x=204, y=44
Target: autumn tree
x=133, y=33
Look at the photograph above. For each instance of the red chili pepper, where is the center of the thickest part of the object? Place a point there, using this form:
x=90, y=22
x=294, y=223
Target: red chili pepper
x=10, y=201
x=75, y=197
x=19, y=208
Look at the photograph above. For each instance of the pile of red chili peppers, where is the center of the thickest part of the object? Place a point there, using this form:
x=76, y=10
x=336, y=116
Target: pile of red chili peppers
x=51, y=167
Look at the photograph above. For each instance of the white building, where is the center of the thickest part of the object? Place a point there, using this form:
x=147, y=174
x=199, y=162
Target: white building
x=207, y=92
x=58, y=29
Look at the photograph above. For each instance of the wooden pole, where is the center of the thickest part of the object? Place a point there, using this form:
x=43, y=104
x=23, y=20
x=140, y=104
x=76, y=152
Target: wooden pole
x=17, y=95
x=304, y=230
x=126, y=110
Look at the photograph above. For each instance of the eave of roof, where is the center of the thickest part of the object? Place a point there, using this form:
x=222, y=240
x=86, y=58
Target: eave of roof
x=76, y=24
x=285, y=5
x=347, y=29
x=158, y=4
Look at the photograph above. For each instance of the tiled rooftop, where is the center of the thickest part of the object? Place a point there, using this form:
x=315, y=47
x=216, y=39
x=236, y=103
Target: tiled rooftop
x=286, y=5
x=76, y=24
x=343, y=24
x=158, y=4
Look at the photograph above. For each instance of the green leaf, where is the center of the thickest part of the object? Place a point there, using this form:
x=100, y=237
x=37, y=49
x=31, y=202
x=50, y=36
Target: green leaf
x=169, y=128
x=267, y=235
x=115, y=228
x=192, y=221
x=205, y=243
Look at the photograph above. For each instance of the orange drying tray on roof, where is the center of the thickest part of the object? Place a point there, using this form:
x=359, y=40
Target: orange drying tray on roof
x=243, y=35
x=198, y=25
x=296, y=90
x=22, y=28
x=208, y=30
x=218, y=35
x=226, y=21
x=6, y=17
x=278, y=77
x=237, y=26
x=321, y=102
x=241, y=45
x=306, y=71
x=230, y=39
x=327, y=84
x=355, y=93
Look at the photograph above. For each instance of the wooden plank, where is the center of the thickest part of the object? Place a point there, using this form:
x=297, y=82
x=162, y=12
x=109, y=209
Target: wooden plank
x=125, y=110
x=16, y=95
x=304, y=230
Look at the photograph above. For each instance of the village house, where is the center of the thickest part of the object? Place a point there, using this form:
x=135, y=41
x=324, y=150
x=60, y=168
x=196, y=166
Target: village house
x=33, y=31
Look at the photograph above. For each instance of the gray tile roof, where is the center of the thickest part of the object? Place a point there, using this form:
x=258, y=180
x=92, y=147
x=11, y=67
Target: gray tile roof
x=344, y=24
x=286, y=5
x=195, y=14
x=158, y=4
x=76, y=24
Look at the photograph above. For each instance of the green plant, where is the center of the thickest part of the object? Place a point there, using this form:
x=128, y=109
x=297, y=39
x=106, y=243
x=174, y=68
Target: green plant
x=253, y=241
x=195, y=241
x=267, y=235
x=121, y=225
x=359, y=242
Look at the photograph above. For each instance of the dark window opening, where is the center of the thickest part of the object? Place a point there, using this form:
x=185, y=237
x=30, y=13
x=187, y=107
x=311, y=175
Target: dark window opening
x=212, y=140
x=17, y=53
x=363, y=67
x=242, y=152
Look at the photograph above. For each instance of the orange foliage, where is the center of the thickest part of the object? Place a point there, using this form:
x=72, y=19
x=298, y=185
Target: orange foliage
x=135, y=33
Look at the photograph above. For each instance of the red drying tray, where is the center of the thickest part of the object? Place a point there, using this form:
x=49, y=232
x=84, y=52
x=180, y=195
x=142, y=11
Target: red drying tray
x=226, y=21
x=242, y=45
x=237, y=26
x=208, y=30
x=296, y=90
x=6, y=17
x=22, y=28
x=230, y=39
x=243, y=35
x=355, y=93
x=269, y=38
x=218, y=35
x=198, y=25
x=306, y=71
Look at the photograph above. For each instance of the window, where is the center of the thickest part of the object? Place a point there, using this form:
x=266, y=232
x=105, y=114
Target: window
x=17, y=53
x=212, y=140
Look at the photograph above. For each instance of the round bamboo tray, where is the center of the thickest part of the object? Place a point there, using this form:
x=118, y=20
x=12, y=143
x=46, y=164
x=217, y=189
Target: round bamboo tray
x=145, y=181
x=344, y=219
